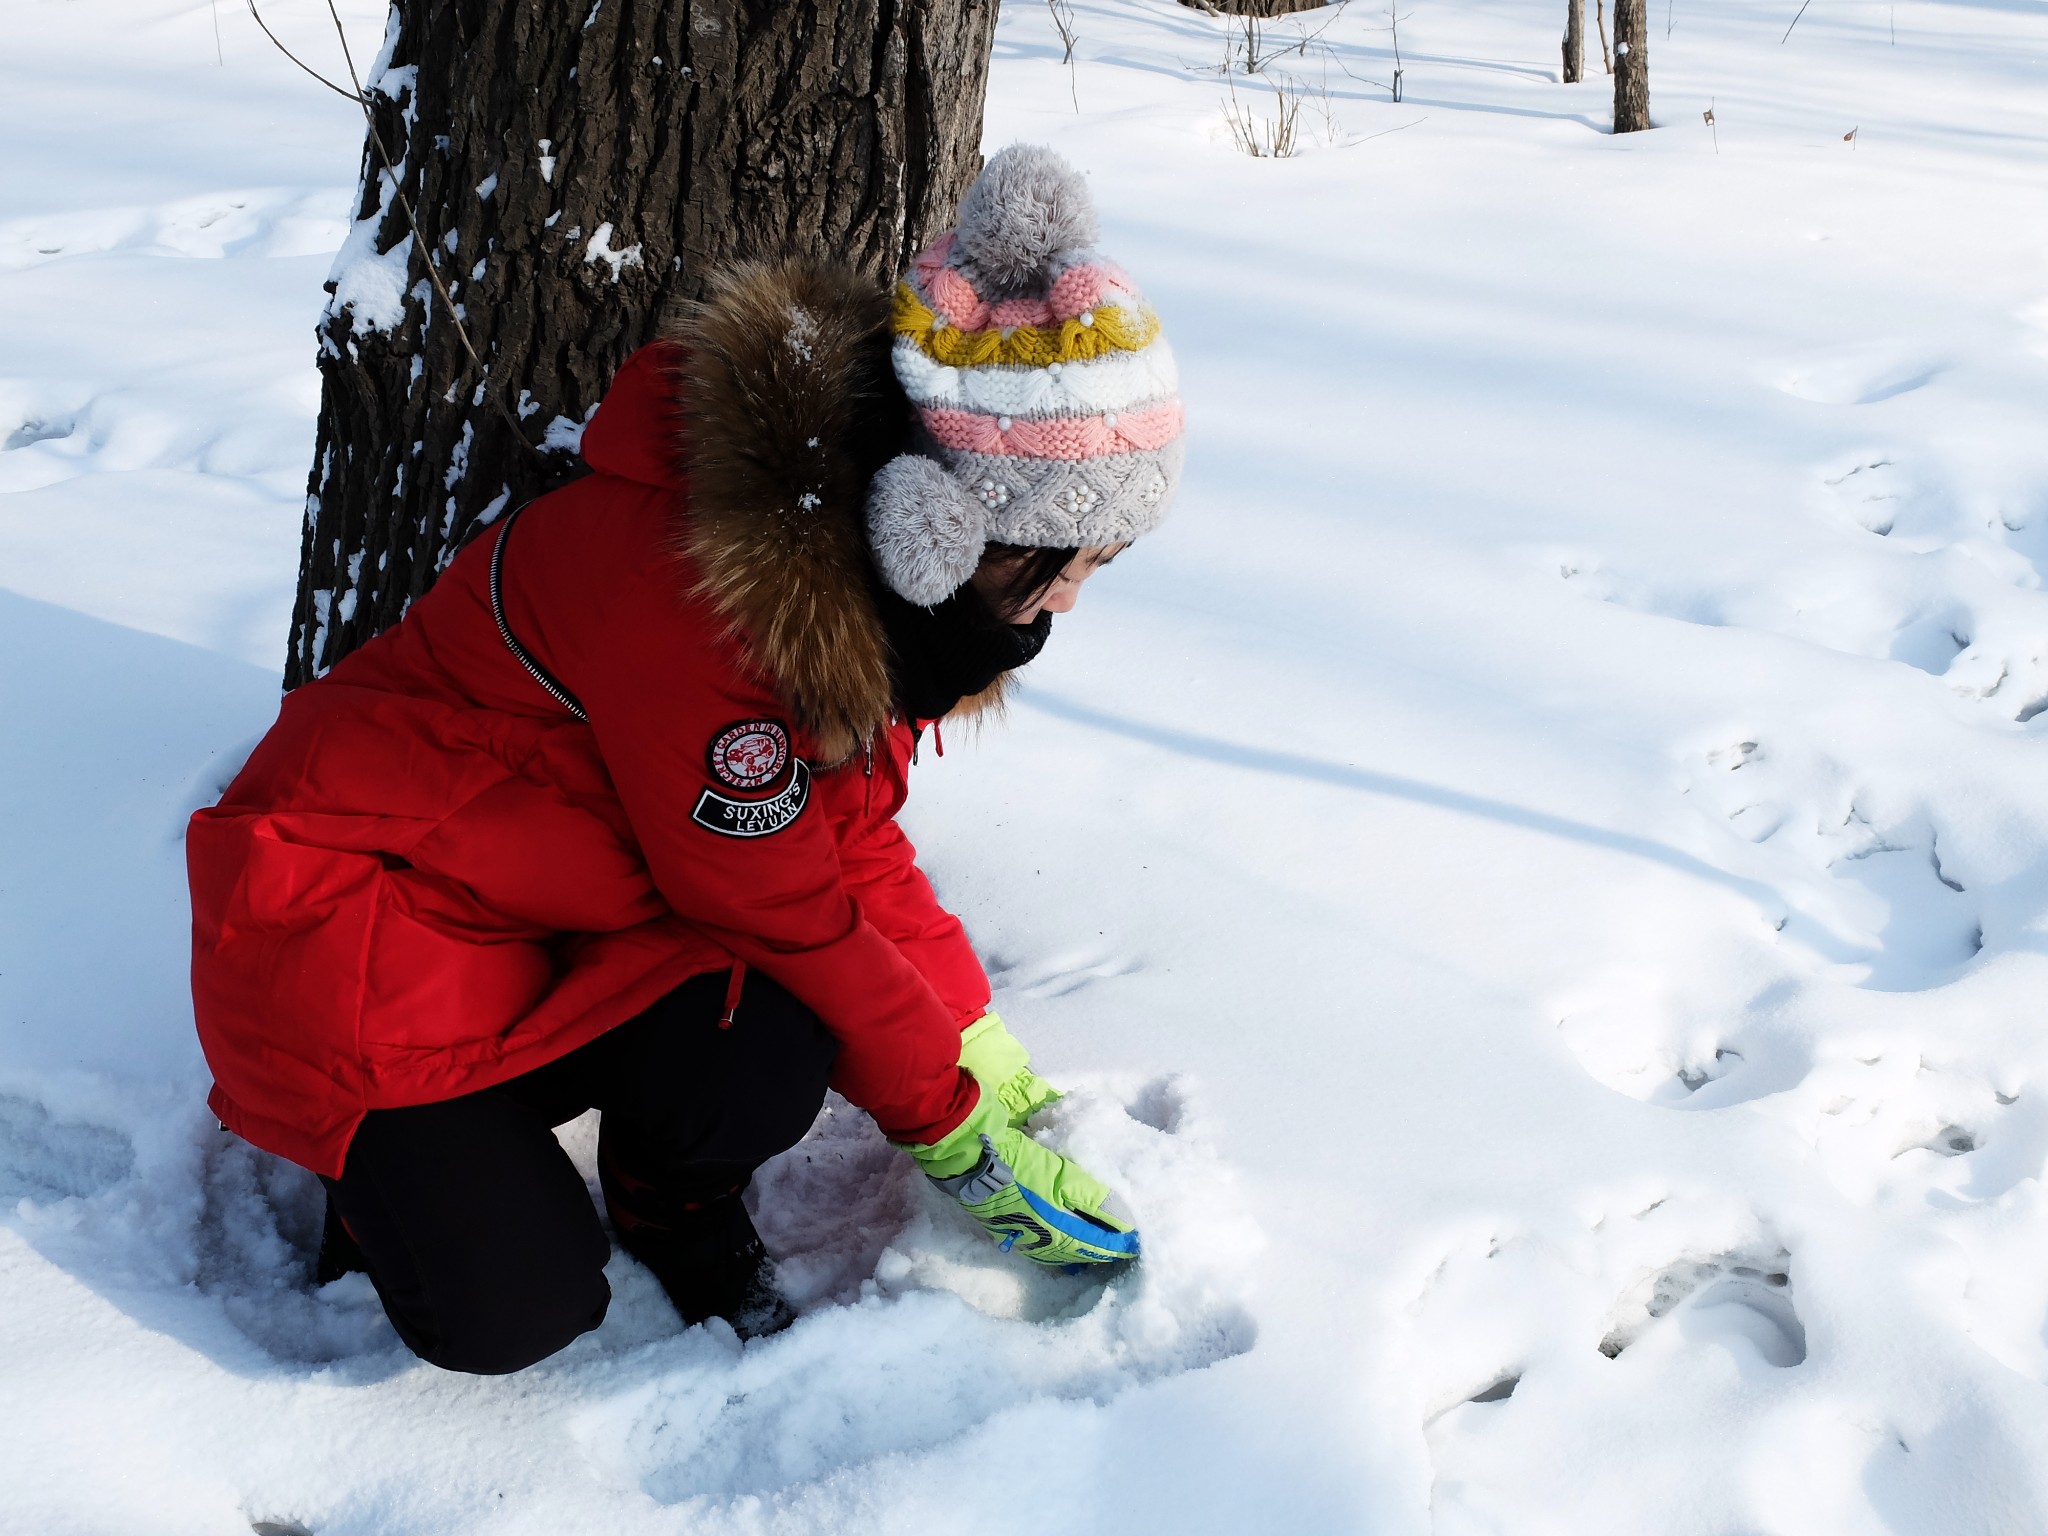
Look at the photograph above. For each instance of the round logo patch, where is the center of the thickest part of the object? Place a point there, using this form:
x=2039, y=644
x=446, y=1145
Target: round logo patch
x=749, y=753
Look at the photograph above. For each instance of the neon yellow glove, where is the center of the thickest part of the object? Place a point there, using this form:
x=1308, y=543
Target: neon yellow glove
x=1027, y=1197
x=1000, y=1062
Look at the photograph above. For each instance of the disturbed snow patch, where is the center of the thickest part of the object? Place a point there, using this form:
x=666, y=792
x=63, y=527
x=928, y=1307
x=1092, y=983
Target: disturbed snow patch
x=914, y=1329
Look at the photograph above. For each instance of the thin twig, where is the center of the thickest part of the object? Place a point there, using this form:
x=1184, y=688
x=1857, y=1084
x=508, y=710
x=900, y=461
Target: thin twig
x=398, y=189
x=1397, y=128
x=218, y=57
x=1394, y=27
x=1795, y=19
x=1063, y=23
x=337, y=89
x=1336, y=12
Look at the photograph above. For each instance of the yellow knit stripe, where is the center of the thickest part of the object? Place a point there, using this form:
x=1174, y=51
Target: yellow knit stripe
x=1116, y=329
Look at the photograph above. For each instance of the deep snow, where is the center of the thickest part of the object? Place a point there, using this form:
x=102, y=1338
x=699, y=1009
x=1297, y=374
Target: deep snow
x=1539, y=873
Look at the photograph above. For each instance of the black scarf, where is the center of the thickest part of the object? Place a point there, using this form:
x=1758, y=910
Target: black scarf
x=939, y=656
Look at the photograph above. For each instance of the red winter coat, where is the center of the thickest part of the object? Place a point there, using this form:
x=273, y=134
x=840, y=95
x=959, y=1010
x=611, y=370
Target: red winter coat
x=431, y=877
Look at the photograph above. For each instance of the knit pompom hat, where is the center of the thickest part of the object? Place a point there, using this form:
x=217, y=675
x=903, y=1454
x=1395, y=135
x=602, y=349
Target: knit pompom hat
x=1047, y=400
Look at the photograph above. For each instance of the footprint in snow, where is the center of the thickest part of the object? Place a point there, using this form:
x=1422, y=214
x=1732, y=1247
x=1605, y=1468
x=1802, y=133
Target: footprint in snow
x=1867, y=877
x=200, y=1213
x=1746, y=1294
x=1887, y=1121
x=1975, y=616
x=44, y=1159
x=1868, y=492
x=1497, y=1313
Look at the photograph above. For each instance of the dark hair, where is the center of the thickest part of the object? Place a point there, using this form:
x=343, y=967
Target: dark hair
x=1025, y=573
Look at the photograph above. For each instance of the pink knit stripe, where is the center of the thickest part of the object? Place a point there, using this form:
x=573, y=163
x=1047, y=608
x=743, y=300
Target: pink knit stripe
x=935, y=255
x=1077, y=290
x=1087, y=285
x=1057, y=437
x=952, y=296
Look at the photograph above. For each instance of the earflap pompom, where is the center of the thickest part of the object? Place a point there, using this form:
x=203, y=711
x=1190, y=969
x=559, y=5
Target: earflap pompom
x=1026, y=208
x=926, y=532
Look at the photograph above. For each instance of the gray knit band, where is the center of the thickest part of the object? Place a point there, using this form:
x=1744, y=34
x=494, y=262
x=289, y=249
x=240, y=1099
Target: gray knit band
x=1077, y=502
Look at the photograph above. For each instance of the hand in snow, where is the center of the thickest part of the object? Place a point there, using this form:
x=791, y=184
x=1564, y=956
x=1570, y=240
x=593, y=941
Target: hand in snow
x=1027, y=1197
x=1002, y=1066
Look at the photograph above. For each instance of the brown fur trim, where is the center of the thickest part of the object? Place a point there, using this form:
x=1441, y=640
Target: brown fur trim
x=788, y=407
x=988, y=706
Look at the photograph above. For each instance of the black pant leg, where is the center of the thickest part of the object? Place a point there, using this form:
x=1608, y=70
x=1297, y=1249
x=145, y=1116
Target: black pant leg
x=692, y=1106
x=476, y=1229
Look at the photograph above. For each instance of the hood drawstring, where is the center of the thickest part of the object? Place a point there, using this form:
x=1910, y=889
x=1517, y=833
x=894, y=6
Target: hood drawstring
x=734, y=983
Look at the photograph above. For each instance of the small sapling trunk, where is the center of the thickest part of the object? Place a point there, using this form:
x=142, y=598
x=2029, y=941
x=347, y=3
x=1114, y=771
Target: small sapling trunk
x=1631, y=66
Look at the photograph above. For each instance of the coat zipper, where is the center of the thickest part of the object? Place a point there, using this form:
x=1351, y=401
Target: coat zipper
x=540, y=674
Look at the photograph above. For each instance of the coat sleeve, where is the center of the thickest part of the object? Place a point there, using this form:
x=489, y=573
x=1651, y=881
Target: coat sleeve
x=881, y=870
x=660, y=692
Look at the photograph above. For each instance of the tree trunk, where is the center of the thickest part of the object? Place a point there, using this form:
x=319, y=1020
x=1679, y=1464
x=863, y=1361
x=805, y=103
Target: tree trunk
x=1575, y=42
x=577, y=166
x=1631, y=66
x=1267, y=8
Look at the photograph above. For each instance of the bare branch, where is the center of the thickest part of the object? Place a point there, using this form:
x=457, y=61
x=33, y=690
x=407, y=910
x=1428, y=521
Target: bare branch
x=280, y=47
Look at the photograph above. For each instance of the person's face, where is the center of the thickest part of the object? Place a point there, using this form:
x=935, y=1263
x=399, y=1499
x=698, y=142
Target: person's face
x=1064, y=592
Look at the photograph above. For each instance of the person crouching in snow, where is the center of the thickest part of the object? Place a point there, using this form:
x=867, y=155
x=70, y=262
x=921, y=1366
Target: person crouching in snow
x=609, y=820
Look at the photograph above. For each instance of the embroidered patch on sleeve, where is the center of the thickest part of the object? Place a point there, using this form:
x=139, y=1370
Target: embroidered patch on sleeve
x=749, y=754
x=730, y=817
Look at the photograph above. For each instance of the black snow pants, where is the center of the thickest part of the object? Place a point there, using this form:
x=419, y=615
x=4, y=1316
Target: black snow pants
x=476, y=1228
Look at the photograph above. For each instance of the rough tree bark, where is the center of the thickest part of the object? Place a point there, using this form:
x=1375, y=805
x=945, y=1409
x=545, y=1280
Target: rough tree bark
x=1575, y=42
x=576, y=166
x=1631, y=66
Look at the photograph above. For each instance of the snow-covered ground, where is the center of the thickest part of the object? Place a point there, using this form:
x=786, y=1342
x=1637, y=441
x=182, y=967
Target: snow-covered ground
x=1539, y=873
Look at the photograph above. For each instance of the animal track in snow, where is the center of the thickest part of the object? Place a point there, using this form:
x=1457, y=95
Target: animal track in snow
x=1060, y=973
x=1632, y=1033
x=1868, y=493
x=1585, y=1321
x=1755, y=1285
x=1861, y=375
x=1950, y=586
x=1865, y=873
x=1960, y=600
x=1888, y=1122
x=256, y=222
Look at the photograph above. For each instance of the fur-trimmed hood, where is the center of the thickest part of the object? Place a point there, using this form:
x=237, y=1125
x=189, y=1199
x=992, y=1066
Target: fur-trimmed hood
x=788, y=406
x=771, y=403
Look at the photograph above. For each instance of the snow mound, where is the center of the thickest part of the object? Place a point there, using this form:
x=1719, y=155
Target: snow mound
x=914, y=1329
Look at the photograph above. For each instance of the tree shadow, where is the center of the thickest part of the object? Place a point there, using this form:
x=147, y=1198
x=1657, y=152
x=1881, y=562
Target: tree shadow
x=1216, y=749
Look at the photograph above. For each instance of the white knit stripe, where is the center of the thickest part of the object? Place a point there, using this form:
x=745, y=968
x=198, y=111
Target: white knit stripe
x=1119, y=381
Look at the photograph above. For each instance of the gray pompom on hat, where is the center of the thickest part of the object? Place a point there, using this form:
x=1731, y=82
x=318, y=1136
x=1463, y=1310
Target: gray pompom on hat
x=1048, y=403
